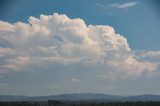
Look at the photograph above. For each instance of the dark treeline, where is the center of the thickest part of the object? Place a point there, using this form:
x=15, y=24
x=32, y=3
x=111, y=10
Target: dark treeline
x=60, y=103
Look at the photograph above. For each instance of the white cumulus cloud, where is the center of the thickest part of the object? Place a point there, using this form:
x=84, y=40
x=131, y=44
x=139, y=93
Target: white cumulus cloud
x=58, y=39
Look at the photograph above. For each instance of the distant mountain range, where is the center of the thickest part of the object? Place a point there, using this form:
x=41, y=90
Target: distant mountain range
x=82, y=97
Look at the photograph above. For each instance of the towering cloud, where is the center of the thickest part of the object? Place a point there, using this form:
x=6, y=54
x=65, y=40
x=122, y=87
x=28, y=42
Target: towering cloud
x=57, y=39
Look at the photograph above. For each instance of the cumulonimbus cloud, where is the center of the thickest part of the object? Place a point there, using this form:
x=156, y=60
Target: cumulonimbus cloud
x=59, y=39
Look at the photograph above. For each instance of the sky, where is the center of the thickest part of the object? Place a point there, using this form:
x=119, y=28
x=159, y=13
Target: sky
x=87, y=46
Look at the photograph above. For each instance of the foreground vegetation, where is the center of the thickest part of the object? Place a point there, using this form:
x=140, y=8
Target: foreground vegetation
x=69, y=103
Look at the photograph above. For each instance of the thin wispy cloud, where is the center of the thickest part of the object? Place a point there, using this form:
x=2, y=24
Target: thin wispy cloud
x=104, y=7
x=100, y=5
x=76, y=80
x=124, y=6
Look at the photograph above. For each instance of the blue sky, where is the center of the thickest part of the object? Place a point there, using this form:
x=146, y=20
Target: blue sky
x=71, y=48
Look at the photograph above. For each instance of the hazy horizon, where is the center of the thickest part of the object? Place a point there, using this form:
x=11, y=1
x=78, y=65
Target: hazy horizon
x=89, y=93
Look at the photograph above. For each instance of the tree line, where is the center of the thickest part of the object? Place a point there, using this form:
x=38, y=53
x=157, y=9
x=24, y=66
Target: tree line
x=71, y=103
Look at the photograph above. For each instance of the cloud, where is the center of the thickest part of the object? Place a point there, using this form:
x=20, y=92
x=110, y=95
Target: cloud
x=57, y=39
x=100, y=5
x=151, y=56
x=76, y=80
x=124, y=6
